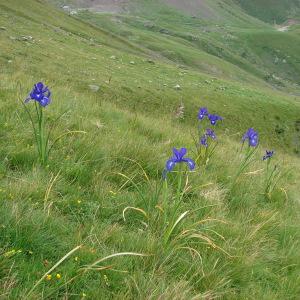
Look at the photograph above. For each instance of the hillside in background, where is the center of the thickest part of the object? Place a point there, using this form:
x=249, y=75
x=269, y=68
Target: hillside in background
x=215, y=38
x=98, y=220
x=272, y=11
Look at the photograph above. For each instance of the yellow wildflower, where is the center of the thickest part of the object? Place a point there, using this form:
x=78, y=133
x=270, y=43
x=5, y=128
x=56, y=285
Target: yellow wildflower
x=48, y=277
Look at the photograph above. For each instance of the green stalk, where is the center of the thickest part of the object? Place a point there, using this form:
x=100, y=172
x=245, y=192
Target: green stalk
x=205, y=155
x=179, y=184
x=39, y=145
x=245, y=163
x=42, y=135
x=178, y=199
x=35, y=133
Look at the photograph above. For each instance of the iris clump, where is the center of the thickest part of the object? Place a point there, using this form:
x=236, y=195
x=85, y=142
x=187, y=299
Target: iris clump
x=204, y=135
x=41, y=96
x=272, y=174
x=248, y=159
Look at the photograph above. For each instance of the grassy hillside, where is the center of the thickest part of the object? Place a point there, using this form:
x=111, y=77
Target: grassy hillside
x=236, y=242
x=272, y=11
x=240, y=48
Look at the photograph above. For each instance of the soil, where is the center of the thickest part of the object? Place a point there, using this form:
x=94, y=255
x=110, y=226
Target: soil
x=193, y=7
x=286, y=25
x=114, y=6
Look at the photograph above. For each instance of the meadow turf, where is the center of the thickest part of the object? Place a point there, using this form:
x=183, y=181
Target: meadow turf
x=245, y=244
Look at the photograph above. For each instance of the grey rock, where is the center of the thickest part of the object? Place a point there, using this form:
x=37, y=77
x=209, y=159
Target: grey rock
x=149, y=24
x=94, y=88
x=150, y=61
x=25, y=38
x=164, y=31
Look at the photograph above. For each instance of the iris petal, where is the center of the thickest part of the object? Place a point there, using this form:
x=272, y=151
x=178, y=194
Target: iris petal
x=190, y=163
x=39, y=86
x=253, y=141
x=170, y=164
x=45, y=101
x=176, y=153
x=182, y=152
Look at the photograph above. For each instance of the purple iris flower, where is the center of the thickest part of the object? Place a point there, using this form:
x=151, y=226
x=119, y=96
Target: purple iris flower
x=268, y=155
x=202, y=113
x=41, y=94
x=252, y=136
x=203, y=140
x=178, y=157
x=214, y=118
x=210, y=133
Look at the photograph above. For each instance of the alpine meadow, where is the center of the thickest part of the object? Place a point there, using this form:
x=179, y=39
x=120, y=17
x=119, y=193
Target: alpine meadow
x=150, y=149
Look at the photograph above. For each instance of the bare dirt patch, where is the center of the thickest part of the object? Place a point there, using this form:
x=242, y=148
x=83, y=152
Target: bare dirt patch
x=286, y=26
x=193, y=7
x=114, y=6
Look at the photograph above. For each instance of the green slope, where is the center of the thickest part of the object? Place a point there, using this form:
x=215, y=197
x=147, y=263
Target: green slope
x=272, y=11
x=130, y=118
x=236, y=49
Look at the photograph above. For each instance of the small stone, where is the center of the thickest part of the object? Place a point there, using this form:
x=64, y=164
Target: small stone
x=132, y=62
x=177, y=87
x=25, y=38
x=94, y=88
x=149, y=24
x=9, y=61
x=164, y=31
x=150, y=62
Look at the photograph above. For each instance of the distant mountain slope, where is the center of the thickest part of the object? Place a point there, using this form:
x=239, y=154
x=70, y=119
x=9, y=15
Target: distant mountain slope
x=224, y=11
x=266, y=10
x=113, y=6
x=272, y=10
x=215, y=38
